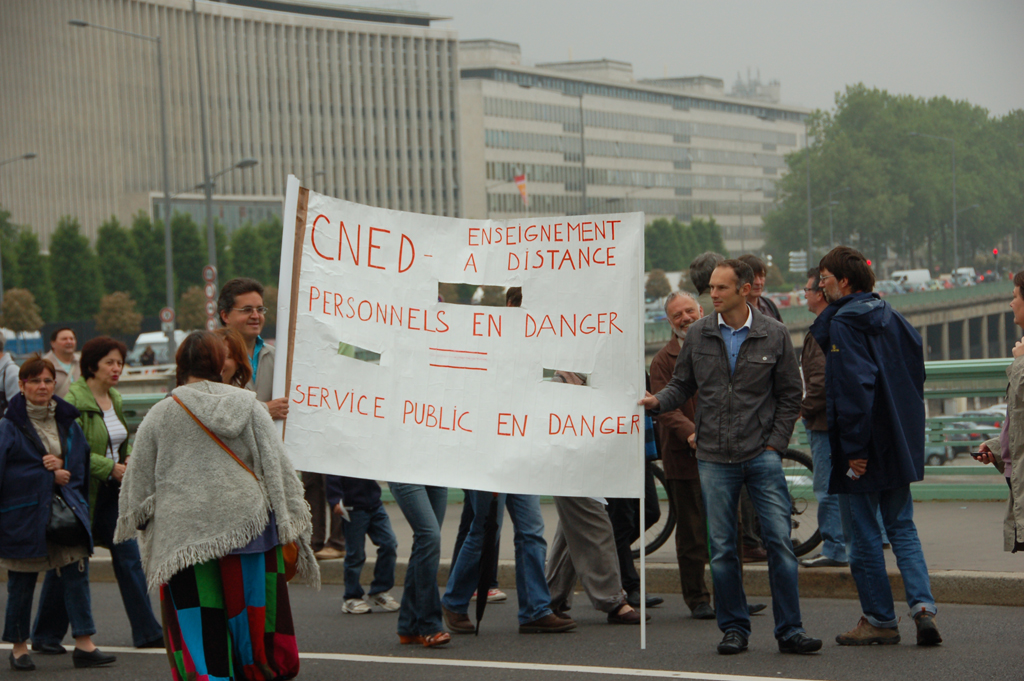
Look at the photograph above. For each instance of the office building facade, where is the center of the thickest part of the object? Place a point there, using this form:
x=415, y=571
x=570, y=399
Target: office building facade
x=669, y=147
x=360, y=104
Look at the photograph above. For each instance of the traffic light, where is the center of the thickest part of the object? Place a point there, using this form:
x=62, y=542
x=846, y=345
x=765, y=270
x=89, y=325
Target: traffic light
x=995, y=252
x=869, y=263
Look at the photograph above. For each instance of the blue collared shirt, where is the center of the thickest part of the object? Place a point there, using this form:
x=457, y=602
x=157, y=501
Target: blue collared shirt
x=255, y=359
x=734, y=338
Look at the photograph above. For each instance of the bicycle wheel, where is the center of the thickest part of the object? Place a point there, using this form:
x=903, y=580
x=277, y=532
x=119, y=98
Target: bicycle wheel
x=798, y=467
x=658, y=533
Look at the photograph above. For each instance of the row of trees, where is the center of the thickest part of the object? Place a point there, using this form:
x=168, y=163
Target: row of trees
x=899, y=184
x=670, y=244
x=70, y=282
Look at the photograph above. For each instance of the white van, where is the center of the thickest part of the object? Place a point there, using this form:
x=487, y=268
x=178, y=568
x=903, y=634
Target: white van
x=158, y=341
x=912, y=279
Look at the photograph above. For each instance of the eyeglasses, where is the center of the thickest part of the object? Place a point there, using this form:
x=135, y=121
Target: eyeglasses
x=811, y=290
x=249, y=309
x=825, y=276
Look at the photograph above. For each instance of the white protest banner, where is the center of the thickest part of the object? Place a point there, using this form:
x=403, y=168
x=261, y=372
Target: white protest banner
x=459, y=397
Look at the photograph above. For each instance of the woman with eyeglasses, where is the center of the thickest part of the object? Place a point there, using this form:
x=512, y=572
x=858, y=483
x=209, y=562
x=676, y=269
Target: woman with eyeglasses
x=101, y=418
x=43, y=455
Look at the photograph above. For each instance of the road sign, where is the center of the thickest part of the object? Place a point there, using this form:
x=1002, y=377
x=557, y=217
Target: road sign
x=211, y=291
x=211, y=324
x=209, y=274
x=167, y=327
x=167, y=315
x=211, y=308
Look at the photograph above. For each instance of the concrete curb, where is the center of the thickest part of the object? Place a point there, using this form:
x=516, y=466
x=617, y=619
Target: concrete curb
x=948, y=586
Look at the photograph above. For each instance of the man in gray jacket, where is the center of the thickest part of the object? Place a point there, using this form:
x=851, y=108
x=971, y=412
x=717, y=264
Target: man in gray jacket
x=742, y=366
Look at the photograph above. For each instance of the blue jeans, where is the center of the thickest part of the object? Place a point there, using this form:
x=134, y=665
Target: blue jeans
x=867, y=560
x=531, y=551
x=423, y=507
x=52, y=619
x=830, y=524
x=76, y=602
x=377, y=525
x=720, y=486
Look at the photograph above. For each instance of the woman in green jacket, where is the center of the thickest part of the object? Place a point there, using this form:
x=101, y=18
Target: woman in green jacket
x=102, y=420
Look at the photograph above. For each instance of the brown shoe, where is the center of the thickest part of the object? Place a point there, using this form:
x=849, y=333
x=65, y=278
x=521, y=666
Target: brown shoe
x=625, y=615
x=457, y=623
x=865, y=633
x=329, y=553
x=549, y=624
x=927, y=633
x=754, y=555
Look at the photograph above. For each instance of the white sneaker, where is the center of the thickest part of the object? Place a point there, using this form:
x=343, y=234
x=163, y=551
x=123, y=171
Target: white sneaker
x=385, y=601
x=355, y=606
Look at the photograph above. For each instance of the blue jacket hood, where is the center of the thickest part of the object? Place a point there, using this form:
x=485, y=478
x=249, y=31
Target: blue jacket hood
x=864, y=312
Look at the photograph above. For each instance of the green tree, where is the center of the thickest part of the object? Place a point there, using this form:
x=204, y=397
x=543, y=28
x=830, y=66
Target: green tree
x=76, y=284
x=36, y=269
x=188, y=252
x=149, y=245
x=270, y=231
x=8, y=237
x=248, y=254
x=122, y=268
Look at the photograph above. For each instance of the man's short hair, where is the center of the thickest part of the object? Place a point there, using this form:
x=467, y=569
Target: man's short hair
x=53, y=336
x=756, y=264
x=848, y=263
x=701, y=268
x=679, y=294
x=231, y=290
x=744, y=275
x=815, y=274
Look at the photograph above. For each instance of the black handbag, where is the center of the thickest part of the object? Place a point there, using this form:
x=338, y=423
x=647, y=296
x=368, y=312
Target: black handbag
x=64, y=528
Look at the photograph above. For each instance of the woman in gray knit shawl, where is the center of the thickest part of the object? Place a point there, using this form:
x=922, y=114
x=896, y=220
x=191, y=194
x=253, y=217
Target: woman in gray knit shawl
x=212, y=499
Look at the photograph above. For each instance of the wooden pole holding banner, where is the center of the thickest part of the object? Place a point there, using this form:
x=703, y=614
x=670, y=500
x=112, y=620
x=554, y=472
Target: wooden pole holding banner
x=296, y=202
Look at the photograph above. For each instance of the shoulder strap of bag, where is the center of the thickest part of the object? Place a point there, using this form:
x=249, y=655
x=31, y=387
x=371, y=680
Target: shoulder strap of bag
x=214, y=437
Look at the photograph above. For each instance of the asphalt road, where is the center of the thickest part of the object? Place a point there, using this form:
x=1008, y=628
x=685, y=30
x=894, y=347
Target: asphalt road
x=981, y=642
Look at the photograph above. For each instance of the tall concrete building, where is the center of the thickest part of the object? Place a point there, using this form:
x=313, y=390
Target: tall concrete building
x=358, y=103
x=678, y=147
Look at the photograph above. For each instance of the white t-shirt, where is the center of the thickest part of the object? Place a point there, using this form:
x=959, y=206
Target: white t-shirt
x=116, y=431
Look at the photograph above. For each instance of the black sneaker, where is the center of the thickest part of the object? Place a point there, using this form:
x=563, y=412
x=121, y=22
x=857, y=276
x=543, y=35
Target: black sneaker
x=800, y=644
x=703, y=611
x=734, y=642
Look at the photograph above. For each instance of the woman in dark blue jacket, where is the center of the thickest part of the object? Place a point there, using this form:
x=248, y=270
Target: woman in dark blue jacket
x=44, y=453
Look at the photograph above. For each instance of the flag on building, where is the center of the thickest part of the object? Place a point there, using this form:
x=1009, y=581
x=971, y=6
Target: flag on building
x=520, y=181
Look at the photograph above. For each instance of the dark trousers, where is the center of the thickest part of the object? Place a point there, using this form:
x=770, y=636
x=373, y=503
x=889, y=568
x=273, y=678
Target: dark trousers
x=465, y=522
x=315, y=485
x=684, y=497
x=74, y=579
x=625, y=514
x=52, y=617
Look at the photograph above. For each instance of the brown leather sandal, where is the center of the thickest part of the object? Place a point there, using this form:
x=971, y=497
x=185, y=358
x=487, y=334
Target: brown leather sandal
x=438, y=639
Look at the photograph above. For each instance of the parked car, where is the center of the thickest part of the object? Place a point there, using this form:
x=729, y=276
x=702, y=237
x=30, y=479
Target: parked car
x=967, y=438
x=983, y=418
x=937, y=454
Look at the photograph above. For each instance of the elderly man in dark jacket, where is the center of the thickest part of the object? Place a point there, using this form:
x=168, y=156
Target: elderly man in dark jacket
x=874, y=386
x=745, y=368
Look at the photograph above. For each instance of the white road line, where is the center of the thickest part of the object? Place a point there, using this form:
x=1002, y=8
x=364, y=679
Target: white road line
x=494, y=664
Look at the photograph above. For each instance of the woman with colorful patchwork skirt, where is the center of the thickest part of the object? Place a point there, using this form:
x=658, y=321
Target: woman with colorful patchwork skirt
x=221, y=523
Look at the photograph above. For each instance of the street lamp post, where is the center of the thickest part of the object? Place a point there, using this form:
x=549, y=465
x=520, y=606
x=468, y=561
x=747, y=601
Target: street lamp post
x=952, y=143
x=211, y=239
x=831, y=236
x=168, y=255
x=24, y=157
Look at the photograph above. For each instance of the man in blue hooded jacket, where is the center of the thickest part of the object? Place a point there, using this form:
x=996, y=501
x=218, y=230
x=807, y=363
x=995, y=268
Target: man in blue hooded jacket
x=874, y=388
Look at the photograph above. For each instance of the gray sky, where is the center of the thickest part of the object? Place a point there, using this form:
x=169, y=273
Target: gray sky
x=963, y=50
